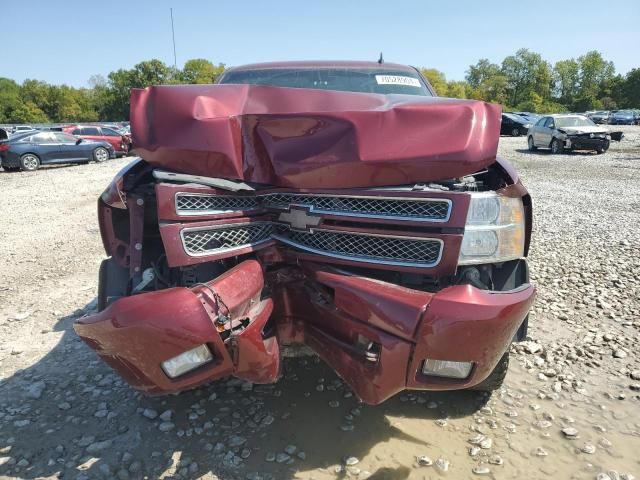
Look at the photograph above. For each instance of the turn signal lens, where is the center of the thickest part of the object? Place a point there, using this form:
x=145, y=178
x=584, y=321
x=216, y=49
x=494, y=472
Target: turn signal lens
x=446, y=368
x=187, y=361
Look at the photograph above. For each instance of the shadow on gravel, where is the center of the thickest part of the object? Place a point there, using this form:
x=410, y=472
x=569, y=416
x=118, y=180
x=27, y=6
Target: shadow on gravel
x=547, y=153
x=71, y=416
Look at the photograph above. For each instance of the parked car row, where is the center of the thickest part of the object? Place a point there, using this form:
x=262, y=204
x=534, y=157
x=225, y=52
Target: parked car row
x=29, y=150
x=615, y=117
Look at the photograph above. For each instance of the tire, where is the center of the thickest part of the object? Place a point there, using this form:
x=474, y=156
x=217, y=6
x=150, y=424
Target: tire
x=11, y=169
x=29, y=162
x=100, y=154
x=557, y=146
x=532, y=147
x=496, y=378
x=515, y=132
x=602, y=150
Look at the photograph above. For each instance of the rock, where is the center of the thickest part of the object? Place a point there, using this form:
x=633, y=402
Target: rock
x=270, y=457
x=531, y=347
x=496, y=460
x=442, y=464
x=588, y=448
x=635, y=375
x=166, y=426
x=351, y=461
x=424, y=461
x=166, y=415
x=570, y=432
x=481, y=470
x=540, y=452
x=473, y=451
x=35, y=389
x=96, y=447
x=282, y=457
x=237, y=441
x=486, y=443
x=150, y=413
x=64, y=406
x=290, y=449
x=619, y=353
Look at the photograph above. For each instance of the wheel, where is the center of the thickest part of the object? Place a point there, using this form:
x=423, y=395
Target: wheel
x=29, y=162
x=602, y=149
x=100, y=154
x=557, y=146
x=496, y=378
x=532, y=147
x=515, y=132
x=11, y=169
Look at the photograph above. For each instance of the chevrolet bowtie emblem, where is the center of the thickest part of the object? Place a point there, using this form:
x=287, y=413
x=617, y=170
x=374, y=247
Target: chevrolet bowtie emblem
x=299, y=219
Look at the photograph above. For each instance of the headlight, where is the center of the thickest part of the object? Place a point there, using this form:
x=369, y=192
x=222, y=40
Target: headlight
x=494, y=231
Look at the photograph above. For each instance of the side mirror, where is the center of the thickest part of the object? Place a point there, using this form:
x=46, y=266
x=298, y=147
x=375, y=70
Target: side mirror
x=79, y=141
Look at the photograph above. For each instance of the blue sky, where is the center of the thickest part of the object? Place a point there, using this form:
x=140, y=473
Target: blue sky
x=67, y=42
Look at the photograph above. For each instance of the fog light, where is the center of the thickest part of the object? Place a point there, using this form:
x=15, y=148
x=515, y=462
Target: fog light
x=446, y=368
x=187, y=361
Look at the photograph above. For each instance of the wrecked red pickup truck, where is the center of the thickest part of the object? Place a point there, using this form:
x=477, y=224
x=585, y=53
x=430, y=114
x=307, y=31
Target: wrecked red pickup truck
x=341, y=206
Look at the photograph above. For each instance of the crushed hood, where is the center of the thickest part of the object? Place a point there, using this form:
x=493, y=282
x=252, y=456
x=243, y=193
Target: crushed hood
x=584, y=129
x=307, y=138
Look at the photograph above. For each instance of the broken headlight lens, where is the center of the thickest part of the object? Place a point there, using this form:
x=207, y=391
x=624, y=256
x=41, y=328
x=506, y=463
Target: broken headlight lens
x=494, y=231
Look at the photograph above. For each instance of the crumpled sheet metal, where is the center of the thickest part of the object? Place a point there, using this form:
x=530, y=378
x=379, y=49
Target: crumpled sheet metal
x=307, y=138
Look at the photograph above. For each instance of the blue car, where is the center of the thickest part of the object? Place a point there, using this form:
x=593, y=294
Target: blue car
x=28, y=151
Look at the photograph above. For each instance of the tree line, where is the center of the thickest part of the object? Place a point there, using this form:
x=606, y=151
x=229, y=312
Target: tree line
x=522, y=82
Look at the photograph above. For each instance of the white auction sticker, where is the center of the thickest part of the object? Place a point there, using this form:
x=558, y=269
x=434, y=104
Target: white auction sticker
x=397, y=80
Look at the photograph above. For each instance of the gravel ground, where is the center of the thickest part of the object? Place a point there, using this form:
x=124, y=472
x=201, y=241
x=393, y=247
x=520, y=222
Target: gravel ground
x=570, y=408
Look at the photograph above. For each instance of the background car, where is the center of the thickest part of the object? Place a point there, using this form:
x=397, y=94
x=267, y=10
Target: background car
x=528, y=116
x=623, y=117
x=599, y=116
x=119, y=141
x=27, y=151
x=514, y=125
x=574, y=132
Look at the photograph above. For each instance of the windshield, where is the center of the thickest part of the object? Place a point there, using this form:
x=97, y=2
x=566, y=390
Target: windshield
x=573, y=122
x=347, y=79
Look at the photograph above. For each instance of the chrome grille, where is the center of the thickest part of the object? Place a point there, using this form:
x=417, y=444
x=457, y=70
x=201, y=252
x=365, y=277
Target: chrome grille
x=403, y=251
x=428, y=209
x=224, y=238
x=405, y=208
x=198, y=204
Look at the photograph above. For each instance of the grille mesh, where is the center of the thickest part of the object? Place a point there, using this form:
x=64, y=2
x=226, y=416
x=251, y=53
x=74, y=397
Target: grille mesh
x=409, y=208
x=366, y=247
x=214, y=203
x=428, y=209
x=224, y=238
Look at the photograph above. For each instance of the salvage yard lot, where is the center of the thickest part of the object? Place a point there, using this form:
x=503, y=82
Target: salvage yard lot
x=569, y=408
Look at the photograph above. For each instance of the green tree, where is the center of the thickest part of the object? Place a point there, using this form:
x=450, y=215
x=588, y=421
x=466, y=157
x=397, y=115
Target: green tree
x=631, y=89
x=437, y=80
x=594, y=71
x=566, y=77
x=526, y=72
x=199, y=70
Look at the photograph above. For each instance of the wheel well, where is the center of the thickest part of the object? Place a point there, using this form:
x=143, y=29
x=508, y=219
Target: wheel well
x=30, y=153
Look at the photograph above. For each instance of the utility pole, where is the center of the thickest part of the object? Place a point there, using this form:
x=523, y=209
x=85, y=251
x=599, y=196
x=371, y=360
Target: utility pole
x=173, y=36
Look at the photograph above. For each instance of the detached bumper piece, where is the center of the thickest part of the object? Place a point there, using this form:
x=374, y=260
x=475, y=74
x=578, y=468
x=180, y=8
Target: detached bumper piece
x=379, y=337
x=138, y=335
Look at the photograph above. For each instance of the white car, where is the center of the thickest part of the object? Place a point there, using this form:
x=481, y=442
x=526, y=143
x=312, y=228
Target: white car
x=569, y=132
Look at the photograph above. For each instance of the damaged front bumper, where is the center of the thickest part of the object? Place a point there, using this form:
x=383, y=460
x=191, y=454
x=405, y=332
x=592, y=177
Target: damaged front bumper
x=376, y=335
